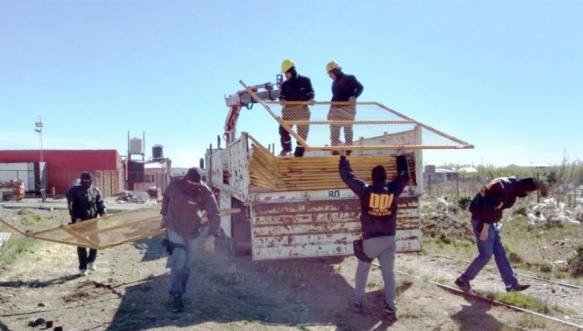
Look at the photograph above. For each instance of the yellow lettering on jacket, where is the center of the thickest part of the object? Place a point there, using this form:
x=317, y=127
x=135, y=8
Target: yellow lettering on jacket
x=380, y=204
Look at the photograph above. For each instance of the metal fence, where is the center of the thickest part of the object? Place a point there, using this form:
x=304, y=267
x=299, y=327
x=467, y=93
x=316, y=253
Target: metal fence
x=454, y=187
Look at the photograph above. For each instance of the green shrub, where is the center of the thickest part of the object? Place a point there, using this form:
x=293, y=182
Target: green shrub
x=23, y=212
x=464, y=202
x=515, y=258
x=576, y=263
x=522, y=210
x=13, y=248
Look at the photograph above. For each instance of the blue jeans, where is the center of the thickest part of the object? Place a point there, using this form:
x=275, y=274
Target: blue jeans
x=383, y=248
x=180, y=262
x=491, y=246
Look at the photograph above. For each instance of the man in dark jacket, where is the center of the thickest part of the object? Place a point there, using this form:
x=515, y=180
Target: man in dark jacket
x=295, y=88
x=379, y=224
x=182, y=206
x=486, y=209
x=85, y=203
x=345, y=88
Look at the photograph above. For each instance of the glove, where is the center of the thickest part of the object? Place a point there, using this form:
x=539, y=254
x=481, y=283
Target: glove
x=209, y=246
x=352, y=99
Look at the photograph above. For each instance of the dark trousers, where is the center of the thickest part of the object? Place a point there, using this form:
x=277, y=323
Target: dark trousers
x=84, y=258
x=291, y=113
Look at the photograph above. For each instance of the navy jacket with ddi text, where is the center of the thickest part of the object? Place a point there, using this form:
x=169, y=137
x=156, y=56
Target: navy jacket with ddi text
x=379, y=200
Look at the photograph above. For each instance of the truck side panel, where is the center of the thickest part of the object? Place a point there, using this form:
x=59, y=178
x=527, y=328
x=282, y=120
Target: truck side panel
x=322, y=228
x=239, y=178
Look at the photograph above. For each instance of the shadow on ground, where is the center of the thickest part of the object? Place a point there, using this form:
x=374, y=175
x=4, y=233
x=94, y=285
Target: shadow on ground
x=475, y=317
x=229, y=290
x=38, y=283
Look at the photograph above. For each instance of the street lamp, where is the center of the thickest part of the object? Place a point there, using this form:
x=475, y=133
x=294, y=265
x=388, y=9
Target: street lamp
x=39, y=129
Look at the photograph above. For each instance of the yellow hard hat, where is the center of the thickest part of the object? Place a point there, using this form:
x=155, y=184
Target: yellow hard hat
x=286, y=65
x=332, y=65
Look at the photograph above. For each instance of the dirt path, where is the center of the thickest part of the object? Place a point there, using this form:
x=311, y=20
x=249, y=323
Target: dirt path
x=129, y=292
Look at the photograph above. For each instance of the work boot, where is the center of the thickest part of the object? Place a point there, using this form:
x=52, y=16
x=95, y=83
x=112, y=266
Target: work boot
x=463, y=285
x=91, y=266
x=389, y=313
x=299, y=151
x=517, y=287
x=284, y=152
x=177, y=305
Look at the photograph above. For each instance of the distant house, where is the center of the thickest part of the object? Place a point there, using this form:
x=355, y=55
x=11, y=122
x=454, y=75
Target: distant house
x=439, y=175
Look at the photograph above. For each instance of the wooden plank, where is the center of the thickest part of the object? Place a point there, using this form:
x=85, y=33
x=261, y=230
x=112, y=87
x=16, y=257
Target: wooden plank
x=13, y=227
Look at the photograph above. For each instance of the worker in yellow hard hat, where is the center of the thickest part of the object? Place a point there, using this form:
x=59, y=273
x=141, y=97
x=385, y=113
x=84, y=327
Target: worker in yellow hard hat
x=295, y=88
x=345, y=88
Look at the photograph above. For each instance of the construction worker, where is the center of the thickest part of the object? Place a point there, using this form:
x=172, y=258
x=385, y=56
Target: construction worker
x=345, y=88
x=294, y=88
x=85, y=203
x=182, y=209
x=379, y=223
x=486, y=209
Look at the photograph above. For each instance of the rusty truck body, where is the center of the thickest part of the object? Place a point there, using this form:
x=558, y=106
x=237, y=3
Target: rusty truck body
x=295, y=207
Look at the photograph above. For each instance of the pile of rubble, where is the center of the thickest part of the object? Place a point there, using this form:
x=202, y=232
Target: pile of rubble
x=12, y=190
x=443, y=223
x=135, y=197
x=553, y=213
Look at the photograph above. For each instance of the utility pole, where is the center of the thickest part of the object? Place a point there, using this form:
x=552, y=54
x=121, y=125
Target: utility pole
x=39, y=129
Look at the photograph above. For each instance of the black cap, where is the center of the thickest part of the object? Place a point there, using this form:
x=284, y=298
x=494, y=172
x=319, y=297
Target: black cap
x=194, y=175
x=379, y=174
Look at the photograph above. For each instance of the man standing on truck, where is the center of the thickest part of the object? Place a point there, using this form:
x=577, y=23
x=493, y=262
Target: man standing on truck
x=182, y=209
x=345, y=88
x=379, y=224
x=486, y=209
x=295, y=88
x=85, y=203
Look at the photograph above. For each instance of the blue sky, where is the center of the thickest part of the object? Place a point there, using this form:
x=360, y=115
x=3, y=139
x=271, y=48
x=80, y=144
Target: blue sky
x=506, y=76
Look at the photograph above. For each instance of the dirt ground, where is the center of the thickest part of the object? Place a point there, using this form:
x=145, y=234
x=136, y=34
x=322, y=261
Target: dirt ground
x=129, y=292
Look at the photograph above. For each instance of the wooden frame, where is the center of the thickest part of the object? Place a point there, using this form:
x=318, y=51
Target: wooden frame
x=459, y=144
x=76, y=238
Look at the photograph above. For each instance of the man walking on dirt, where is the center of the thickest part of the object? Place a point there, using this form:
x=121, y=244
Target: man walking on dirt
x=486, y=209
x=182, y=206
x=379, y=224
x=295, y=88
x=345, y=88
x=85, y=203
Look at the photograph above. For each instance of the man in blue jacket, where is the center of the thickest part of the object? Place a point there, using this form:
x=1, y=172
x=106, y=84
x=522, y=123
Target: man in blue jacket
x=295, y=88
x=345, y=88
x=379, y=224
x=486, y=209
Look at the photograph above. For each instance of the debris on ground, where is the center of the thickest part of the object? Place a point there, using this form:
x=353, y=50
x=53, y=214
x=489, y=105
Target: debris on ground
x=132, y=197
x=12, y=190
x=552, y=212
x=444, y=224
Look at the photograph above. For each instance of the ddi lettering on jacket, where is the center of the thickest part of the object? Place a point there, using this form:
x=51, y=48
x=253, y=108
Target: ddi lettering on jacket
x=380, y=204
